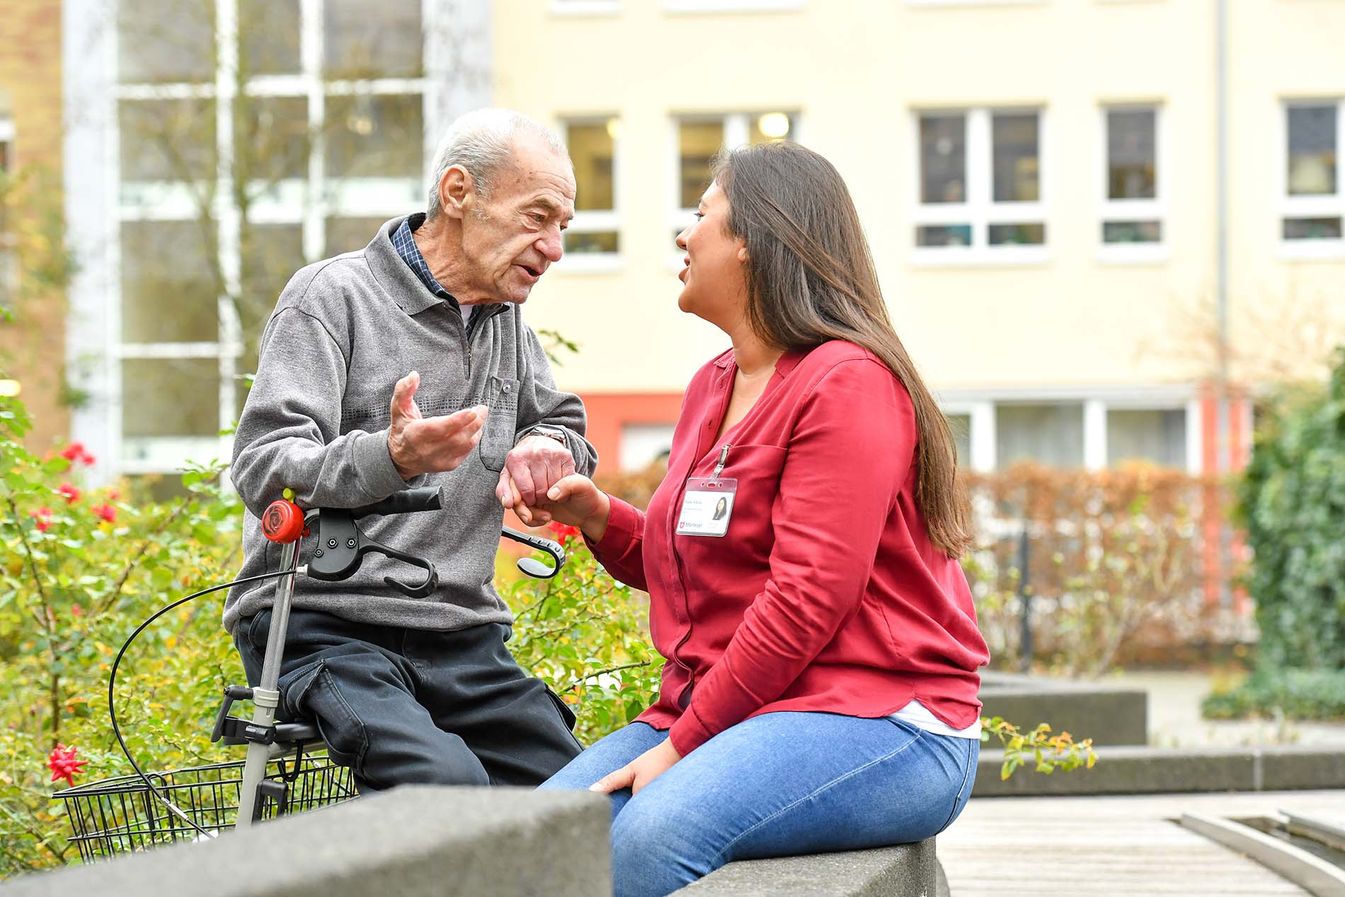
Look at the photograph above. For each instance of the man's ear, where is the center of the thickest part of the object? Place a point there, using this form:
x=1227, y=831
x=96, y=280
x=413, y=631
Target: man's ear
x=457, y=191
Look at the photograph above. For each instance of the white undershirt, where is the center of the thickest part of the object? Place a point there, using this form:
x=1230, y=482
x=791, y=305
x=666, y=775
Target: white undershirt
x=466, y=314
x=918, y=715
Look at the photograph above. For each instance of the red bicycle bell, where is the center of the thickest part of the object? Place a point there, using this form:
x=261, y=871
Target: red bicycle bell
x=282, y=521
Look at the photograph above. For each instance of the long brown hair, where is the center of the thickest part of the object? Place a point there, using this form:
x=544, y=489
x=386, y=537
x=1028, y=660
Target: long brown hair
x=811, y=278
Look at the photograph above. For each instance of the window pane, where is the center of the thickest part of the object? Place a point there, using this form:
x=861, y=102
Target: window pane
x=167, y=293
x=770, y=127
x=271, y=253
x=592, y=241
x=166, y=40
x=1157, y=436
x=1017, y=234
x=698, y=142
x=1312, y=229
x=167, y=140
x=375, y=136
x=379, y=41
x=1016, y=157
x=272, y=138
x=169, y=397
x=960, y=424
x=943, y=235
x=350, y=234
x=1048, y=434
x=1132, y=155
x=943, y=158
x=1312, y=150
x=591, y=150
x=268, y=35
x=1132, y=232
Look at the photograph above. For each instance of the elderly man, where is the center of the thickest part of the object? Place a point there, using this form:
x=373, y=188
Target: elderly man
x=407, y=363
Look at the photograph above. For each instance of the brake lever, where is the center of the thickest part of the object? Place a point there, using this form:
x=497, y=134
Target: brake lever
x=341, y=546
x=532, y=566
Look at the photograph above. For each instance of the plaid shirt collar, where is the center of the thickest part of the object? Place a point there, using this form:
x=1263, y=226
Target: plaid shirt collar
x=406, y=247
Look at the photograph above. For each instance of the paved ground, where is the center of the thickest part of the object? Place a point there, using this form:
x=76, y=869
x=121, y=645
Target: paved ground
x=1114, y=846
x=1174, y=716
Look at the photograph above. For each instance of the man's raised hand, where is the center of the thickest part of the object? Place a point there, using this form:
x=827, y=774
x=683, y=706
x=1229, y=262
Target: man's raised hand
x=429, y=444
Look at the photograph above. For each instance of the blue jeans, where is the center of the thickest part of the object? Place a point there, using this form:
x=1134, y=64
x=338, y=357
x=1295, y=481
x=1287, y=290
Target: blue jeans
x=775, y=785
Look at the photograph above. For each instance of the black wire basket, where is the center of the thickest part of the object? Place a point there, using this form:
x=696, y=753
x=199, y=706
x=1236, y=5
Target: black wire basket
x=122, y=815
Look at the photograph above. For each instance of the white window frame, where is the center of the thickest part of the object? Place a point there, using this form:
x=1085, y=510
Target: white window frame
x=737, y=132
x=979, y=208
x=309, y=201
x=585, y=7
x=678, y=7
x=980, y=407
x=593, y=221
x=1310, y=206
x=1133, y=210
x=977, y=2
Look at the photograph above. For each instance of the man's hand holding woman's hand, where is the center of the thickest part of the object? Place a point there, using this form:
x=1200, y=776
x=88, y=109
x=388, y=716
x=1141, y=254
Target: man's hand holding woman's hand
x=573, y=500
x=429, y=444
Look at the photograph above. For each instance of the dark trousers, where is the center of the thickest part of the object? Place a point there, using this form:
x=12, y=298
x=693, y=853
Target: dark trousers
x=410, y=706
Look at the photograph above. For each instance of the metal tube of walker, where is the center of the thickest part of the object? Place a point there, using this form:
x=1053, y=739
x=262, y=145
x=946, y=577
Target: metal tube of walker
x=266, y=696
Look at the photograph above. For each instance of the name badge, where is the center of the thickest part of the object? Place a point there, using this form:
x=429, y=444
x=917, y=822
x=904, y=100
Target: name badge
x=707, y=507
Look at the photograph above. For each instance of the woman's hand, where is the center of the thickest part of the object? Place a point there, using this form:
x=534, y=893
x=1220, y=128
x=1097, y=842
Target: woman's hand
x=573, y=500
x=639, y=772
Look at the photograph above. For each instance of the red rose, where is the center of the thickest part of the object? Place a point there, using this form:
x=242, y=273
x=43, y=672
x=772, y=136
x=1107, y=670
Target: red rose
x=43, y=517
x=107, y=512
x=70, y=492
x=64, y=763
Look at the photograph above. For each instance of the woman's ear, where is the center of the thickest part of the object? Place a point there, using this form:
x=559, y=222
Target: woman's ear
x=742, y=252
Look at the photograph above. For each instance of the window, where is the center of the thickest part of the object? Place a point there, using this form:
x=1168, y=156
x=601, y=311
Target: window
x=359, y=44
x=643, y=444
x=1051, y=434
x=595, y=230
x=168, y=140
x=165, y=270
x=979, y=185
x=1156, y=436
x=701, y=137
x=269, y=44
x=326, y=146
x=166, y=41
x=1131, y=200
x=1314, y=196
x=371, y=135
x=699, y=6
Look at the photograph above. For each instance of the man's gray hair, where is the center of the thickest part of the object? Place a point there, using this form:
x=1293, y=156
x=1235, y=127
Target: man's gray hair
x=483, y=142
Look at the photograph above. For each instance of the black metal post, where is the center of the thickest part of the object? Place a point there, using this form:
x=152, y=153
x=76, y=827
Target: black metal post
x=1025, y=603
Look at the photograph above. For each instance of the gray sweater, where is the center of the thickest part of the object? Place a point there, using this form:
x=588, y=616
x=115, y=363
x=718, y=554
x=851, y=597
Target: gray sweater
x=316, y=421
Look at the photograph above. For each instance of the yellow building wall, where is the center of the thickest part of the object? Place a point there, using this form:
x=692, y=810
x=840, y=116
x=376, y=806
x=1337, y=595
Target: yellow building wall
x=857, y=71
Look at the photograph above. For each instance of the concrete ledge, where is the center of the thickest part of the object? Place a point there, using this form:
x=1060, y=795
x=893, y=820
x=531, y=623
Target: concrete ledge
x=907, y=870
x=1108, y=715
x=449, y=842
x=1145, y=770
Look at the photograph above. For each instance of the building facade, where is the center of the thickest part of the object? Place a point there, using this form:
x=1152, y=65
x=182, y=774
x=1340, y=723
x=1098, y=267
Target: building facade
x=1041, y=182
x=32, y=346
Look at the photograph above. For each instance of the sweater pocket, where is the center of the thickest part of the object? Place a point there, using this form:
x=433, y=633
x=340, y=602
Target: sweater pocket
x=501, y=423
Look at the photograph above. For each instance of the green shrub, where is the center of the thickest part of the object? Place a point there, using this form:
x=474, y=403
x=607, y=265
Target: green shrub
x=1295, y=694
x=81, y=568
x=585, y=635
x=1293, y=501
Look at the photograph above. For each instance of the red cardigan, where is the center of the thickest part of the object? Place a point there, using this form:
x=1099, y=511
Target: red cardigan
x=826, y=593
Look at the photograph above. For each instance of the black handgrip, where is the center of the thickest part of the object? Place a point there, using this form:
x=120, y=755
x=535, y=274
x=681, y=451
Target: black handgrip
x=424, y=498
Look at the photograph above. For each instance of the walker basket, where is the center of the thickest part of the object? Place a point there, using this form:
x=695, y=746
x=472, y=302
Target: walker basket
x=121, y=815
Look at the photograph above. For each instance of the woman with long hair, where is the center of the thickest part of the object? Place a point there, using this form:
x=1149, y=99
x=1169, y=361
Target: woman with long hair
x=801, y=557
